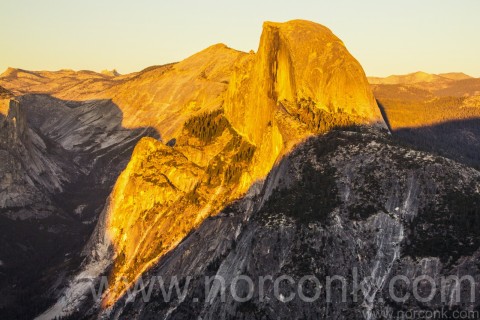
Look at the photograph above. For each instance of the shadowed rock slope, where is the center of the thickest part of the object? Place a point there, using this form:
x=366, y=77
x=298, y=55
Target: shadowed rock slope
x=58, y=162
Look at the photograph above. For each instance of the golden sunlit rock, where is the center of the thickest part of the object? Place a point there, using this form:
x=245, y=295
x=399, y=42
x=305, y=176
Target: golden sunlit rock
x=5, y=97
x=165, y=97
x=301, y=70
x=225, y=118
x=301, y=82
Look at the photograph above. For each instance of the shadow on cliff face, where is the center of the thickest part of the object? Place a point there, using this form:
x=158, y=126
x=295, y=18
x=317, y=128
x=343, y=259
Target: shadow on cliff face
x=458, y=140
x=80, y=148
x=384, y=115
x=87, y=141
x=455, y=139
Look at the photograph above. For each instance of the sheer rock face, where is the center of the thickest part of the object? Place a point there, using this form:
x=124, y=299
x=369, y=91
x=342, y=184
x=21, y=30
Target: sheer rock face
x=297, y=61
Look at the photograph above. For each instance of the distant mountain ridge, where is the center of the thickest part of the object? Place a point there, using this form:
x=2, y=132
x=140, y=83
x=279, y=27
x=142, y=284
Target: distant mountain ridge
x=437, y=112
x=419, y=77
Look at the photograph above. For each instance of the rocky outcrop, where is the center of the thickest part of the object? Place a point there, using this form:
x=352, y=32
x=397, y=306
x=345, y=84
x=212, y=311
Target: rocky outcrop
x=111, y=73
x=297, y=61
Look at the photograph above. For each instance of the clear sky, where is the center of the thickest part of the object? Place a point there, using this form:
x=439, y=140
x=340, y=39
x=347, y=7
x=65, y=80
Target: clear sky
x=386, y=36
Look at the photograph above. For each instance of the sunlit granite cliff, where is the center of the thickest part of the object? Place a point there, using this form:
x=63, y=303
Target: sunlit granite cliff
x=301, y=82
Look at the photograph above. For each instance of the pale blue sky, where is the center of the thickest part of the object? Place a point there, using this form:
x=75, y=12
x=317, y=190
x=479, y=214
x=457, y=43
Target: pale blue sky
x=387, y=37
